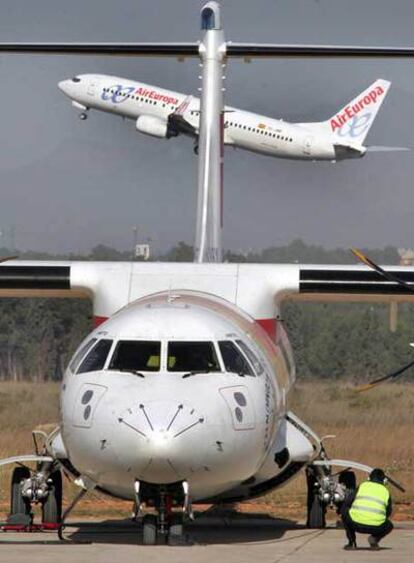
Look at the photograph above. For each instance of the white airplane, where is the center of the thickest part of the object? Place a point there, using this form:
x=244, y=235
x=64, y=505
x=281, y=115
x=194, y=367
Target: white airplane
x=180, y=394
x=164, y=114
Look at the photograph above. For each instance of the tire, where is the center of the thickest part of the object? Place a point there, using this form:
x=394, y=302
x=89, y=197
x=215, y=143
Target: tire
x=176, y=529
x=149, y=530
x=52, y=505
x=18, y=504
x=348, y=479
x=317, y=513
x=316, y=508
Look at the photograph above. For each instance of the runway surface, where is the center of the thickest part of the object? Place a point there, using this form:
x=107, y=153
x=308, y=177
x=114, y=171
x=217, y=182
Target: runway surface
x=220, y=540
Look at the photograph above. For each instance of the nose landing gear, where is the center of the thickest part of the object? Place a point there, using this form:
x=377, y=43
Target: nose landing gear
x=166, y=526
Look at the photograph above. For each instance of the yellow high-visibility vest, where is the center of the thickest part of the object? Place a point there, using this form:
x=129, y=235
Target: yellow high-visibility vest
x=370, y=504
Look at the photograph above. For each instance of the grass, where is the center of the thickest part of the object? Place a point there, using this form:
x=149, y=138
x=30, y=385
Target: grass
x=375, y=428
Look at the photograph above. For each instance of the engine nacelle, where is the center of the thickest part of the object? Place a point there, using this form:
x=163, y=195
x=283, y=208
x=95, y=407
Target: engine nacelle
x=152, y=126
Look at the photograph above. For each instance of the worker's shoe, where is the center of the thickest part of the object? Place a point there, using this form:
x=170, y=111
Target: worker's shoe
x=373, y=543
x=351, y=545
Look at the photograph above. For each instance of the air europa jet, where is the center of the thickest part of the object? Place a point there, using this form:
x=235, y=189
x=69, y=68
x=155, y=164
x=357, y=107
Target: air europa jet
x=164, y=114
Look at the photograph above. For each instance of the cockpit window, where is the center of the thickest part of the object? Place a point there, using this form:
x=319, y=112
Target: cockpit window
x=80, y=354
x=257, y=366
x=76, y=79
x=96, y=358
x=192, y=356
x=233, y=359
x=136, y=355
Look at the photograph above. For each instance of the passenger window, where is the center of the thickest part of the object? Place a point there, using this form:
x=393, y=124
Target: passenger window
x=233, y=359
x=136, y=355
x=96, y=358
x=258, y=368
x=192, y=356
x=80, y=354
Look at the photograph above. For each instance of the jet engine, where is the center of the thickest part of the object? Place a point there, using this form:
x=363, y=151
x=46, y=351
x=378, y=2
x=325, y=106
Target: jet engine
x=154, y=127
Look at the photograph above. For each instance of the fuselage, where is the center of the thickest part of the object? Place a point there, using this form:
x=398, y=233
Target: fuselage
x=176, y=387
x=242, y=129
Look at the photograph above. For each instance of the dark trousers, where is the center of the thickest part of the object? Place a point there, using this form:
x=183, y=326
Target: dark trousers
x=351, y=527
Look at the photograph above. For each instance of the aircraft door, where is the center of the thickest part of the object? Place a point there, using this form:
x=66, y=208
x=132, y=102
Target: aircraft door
x=307, y=145
x=91, y=90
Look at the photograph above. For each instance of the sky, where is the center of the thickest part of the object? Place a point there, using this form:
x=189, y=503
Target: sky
x=68, y=185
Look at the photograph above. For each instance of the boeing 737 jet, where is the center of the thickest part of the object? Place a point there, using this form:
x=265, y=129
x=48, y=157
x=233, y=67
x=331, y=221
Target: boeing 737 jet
x=165, y=114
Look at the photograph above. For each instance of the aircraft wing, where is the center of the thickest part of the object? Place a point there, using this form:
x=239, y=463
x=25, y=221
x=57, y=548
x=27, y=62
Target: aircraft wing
x=353, y=283
x=191, y=49
x=185, y=118
x=268, y=50
x=253, y=287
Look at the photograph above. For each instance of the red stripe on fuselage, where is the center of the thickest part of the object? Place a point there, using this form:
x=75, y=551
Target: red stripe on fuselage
x=98, y=321
x=269, y=326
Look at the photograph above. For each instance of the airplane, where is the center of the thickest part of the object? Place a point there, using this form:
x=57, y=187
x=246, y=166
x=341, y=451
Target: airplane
x=180, y=394
x=166, y=114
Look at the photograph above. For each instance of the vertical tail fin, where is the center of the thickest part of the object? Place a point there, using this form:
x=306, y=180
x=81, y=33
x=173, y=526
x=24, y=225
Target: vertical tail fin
x=353, y=121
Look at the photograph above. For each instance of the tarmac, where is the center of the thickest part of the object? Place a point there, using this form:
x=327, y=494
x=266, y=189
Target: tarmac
x=251, y=540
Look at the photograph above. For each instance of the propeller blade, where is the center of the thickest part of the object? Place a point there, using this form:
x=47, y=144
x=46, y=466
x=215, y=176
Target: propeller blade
x=392, y=375
x=384, y=273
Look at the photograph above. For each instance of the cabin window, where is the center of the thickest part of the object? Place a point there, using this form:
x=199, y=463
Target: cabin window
x=80, y=354
x=136, y=355
x=96, y=358
x=192, y=356
x=233, y=359
x=258, y=368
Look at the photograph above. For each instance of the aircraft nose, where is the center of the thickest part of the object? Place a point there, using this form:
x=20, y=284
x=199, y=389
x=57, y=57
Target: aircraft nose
x=165, y=440
x=63, y=85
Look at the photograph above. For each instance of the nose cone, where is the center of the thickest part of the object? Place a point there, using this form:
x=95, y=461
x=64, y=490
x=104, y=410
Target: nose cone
x=66, y=86
x=63, y=85
x=165, y=440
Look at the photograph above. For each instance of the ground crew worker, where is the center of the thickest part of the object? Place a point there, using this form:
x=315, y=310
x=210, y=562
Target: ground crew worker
x=369, y=512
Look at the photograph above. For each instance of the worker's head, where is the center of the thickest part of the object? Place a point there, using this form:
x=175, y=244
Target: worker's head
x=377, y=475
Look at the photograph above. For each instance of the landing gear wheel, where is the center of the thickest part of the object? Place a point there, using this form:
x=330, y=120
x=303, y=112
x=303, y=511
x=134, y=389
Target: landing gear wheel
x=176, y=530
x=195, y=149
x=52, y=505
x=149, y=529
x=83, y=116
x=316, y=508
x=20, y=512
x=317, y=513
x=348, y=479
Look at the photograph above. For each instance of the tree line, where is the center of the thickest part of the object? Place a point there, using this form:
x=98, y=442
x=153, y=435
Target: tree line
x=38, y=336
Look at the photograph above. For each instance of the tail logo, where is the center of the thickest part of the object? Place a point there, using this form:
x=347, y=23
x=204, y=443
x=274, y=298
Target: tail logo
x=357, y=124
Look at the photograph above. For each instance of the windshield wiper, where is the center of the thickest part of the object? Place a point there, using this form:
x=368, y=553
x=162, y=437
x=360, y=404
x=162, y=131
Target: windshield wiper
x=133, y=371
x=197, y=372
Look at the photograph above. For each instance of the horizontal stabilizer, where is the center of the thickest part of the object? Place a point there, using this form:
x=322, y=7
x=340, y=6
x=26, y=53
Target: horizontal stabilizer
x=348, y=151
